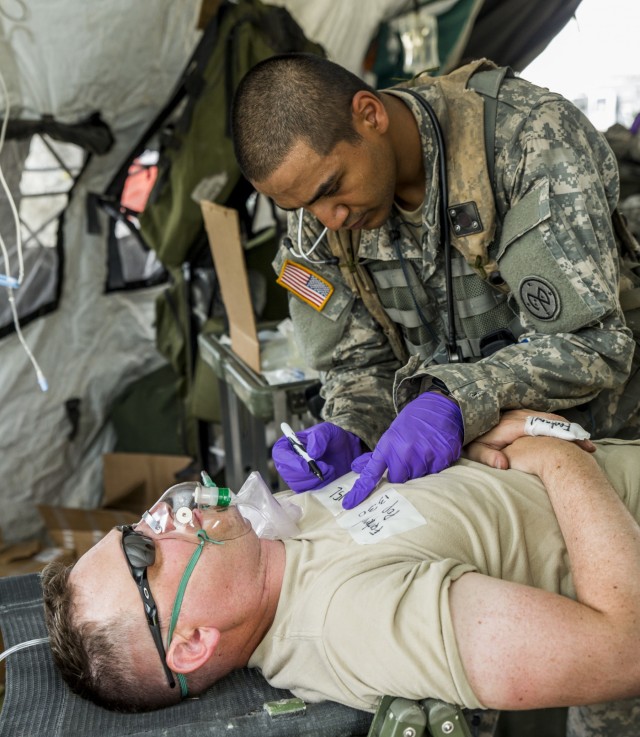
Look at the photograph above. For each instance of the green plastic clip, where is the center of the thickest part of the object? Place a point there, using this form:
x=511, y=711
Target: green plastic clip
x=285, y=707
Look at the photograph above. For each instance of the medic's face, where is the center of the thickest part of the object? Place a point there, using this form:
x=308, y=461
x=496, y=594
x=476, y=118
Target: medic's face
x=352, y=187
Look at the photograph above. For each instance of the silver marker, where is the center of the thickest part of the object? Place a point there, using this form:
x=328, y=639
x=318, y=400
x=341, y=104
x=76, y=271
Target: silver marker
x=300, y=450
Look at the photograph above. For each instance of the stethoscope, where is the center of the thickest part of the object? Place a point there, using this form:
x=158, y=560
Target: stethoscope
x=453, y=352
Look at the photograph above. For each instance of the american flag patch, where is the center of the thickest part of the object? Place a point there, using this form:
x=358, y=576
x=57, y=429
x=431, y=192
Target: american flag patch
x=304, y=283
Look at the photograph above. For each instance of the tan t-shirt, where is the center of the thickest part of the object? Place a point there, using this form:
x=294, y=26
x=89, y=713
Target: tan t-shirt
x=360, y=617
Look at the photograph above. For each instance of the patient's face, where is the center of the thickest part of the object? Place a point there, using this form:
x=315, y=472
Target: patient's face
x=171, y=517
x=105, y=594
x=105, y=589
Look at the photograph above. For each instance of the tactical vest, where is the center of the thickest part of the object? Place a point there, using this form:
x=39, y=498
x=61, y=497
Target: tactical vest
x=484, y=322
x=409, y=311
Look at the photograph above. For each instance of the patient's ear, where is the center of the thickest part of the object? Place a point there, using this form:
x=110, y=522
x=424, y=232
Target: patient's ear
x=188, y=653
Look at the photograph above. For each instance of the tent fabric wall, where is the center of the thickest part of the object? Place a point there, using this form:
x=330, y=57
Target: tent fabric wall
x=346, y=28
x=513, y=33
x=510, y=32
x=68, y=58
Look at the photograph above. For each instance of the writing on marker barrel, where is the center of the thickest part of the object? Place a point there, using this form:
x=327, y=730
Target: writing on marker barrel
x=300, y=450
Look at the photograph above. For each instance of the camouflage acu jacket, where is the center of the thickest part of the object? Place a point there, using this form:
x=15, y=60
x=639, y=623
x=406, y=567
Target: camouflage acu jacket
x=553, y=337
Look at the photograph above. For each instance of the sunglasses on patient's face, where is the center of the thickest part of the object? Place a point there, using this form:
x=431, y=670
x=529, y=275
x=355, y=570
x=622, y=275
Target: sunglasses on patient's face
x=140, y=553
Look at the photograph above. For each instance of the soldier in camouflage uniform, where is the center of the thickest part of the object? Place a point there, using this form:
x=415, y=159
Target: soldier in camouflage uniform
x=537, y=308
x=543, y=302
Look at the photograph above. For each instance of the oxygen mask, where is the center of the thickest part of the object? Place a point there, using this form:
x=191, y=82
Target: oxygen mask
x=188, y=507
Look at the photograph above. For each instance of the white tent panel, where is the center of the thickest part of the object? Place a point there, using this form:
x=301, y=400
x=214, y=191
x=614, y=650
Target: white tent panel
x=68, y=59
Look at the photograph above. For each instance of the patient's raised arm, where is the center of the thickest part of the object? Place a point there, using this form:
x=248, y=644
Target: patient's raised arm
x=525, y=648
x=489, y=448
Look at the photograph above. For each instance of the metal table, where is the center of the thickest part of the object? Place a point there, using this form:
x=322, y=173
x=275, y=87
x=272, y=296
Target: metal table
x=248, y=405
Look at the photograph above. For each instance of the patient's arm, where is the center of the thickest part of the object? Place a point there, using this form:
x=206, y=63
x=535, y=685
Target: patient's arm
x=488, y=448
x=524, y=648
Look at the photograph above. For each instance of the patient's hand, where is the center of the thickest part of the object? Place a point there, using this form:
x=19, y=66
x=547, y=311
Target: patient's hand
x=535, y=454
x=488, y=448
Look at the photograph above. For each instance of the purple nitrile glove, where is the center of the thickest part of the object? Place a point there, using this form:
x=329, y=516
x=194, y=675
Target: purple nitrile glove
x=424, y=438
x=329, y=445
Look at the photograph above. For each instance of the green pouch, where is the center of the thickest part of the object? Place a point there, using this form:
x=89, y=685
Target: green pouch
x=197, y=151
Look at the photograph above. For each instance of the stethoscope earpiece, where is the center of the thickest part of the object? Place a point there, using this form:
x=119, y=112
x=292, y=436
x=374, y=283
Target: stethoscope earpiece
x=306, y=255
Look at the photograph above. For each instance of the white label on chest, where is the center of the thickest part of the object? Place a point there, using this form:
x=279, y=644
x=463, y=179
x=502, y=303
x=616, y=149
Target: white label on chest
x=379, y=516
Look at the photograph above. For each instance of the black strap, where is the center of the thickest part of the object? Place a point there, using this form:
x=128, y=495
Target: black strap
x=488, y=84
x=186, y=85
x=452, y=343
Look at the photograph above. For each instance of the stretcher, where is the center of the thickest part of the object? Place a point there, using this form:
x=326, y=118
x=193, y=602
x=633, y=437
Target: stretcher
x=37, y=701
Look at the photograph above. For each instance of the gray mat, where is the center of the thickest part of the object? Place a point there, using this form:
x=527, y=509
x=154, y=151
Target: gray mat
x=38, y=702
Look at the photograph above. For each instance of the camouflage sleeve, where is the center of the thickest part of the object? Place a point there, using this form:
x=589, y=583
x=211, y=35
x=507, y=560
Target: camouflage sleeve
x=557, y=252
x=360, y=369
x=343, y=342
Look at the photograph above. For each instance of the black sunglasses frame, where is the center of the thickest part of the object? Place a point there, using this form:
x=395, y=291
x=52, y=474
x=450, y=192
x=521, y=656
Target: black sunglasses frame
x=139, y=574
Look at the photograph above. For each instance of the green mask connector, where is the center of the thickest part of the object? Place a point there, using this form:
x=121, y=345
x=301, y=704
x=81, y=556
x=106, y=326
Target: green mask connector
x=207, y=480
x=211, y=495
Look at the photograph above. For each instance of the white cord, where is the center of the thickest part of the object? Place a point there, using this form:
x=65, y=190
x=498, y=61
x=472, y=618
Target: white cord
x=22, y=646
x=301, y=253
x=42, y=381
x=6, y=280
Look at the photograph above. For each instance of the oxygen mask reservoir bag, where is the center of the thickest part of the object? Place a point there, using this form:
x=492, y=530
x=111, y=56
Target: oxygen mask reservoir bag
x=270, y=517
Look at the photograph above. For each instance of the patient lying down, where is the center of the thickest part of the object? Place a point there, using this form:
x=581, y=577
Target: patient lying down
x=508, y=589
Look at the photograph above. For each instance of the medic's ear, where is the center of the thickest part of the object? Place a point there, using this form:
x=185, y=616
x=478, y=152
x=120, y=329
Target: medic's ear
x=187, y=654
x=368, y=109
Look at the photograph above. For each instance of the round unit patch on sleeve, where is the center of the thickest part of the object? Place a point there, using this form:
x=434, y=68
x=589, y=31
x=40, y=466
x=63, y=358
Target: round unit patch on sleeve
x=305, y=284
x=540, y=298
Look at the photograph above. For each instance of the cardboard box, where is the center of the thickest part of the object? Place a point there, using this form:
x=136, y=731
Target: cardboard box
x=29, y=557
x=134, y=481
x=223, y=233
x=77, y=530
